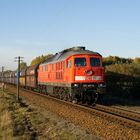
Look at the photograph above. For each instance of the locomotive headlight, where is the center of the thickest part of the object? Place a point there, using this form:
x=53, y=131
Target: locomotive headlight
x=75, y=85
x=101, y=85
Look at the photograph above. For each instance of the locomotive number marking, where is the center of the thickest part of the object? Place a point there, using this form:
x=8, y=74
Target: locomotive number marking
x=88, y=77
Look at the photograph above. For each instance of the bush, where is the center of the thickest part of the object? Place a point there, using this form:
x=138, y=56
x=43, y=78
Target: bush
x=123, y=80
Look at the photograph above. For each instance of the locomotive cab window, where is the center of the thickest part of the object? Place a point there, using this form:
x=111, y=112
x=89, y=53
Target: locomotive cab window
x=95, y=62
x=78, y=62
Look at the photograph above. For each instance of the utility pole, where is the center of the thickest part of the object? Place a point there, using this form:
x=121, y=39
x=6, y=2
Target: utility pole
x=2, y=74
x=2, y=78
x=18, y=59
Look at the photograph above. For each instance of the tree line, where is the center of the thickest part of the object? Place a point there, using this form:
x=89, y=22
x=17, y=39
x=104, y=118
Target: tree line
x=122, y=76
x=124, y=66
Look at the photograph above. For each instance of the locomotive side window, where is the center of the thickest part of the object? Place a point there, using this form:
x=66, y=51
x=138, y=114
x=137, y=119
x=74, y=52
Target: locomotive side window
x=95, y=62
x=56, y=66
x=52, y=66
x=80, y=62
x=69, y=63
x=46, y=68
x=63, y=65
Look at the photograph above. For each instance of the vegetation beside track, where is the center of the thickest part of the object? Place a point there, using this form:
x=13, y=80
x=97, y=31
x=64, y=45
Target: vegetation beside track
x=23, y=121
x=5, y=119
x=14, y=119
x=101, y=128
x=122, y=77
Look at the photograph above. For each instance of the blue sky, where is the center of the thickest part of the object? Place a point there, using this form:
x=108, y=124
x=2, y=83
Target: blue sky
x=30, y=28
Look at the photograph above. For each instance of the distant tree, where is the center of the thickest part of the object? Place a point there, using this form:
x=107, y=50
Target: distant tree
x=116, y=60
x=40, y=59
x=137, y=60
x=23, y=65
x=126, y=69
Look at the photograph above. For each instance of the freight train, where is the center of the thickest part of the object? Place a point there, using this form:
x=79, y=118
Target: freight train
x=74, y=74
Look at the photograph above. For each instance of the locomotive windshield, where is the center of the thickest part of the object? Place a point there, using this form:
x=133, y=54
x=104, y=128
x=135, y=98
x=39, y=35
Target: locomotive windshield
x=80, y=62
x=95, y=62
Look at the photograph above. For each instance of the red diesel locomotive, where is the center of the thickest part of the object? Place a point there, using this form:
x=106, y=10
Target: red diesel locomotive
x=75, y=74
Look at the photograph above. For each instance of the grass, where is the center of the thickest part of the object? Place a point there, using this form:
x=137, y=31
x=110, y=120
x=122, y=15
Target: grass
x=21, y=121
x=14, y=123
x=6, y=132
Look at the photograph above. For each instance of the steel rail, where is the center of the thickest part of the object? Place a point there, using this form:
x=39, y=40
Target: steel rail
x=108, y=113
x=101, y=111
x=120, y=112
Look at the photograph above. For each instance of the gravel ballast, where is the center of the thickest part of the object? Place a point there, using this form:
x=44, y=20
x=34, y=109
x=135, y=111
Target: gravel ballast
x=101, y=128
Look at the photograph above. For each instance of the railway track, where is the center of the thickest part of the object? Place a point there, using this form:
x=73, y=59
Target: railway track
x=121, y=116
x=120, y=112
x=117, y=115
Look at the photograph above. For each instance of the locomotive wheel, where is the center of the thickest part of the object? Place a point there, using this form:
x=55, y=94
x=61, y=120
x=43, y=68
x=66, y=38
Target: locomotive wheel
x=45, y=90
x=74, y=98
x=100, y=99
x=39, y=89
x=60, y=96
x=69, y=98
x=95, y=97
x=89, y=99
x=83, y=98
x=65, y=97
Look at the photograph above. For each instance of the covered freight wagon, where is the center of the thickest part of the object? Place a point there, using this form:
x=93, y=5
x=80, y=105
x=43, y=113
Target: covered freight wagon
x=23, y=77
x=31, y=76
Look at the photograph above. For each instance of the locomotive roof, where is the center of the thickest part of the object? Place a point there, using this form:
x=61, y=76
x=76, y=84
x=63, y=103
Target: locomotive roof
x=68, y=52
